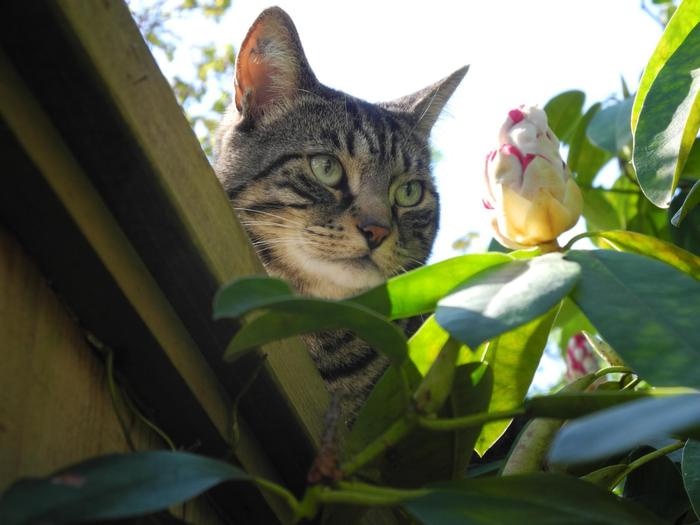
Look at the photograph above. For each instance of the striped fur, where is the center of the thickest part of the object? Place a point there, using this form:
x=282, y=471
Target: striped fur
x=309, y=233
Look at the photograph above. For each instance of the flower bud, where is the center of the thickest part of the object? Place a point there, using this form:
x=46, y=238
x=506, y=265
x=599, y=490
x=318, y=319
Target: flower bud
x=529, y=187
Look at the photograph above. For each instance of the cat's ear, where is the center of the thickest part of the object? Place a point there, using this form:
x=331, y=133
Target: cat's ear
x=424, y=106
x=271, y=65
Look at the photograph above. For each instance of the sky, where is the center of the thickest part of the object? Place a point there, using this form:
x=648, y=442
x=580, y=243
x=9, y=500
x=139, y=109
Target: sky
x=519, y=52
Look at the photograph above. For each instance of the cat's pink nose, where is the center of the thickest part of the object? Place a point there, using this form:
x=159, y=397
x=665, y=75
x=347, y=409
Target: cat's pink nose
x=374, y=234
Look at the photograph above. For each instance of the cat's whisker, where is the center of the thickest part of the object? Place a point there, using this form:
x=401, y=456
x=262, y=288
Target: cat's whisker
x=270, y=224
x=280, y=217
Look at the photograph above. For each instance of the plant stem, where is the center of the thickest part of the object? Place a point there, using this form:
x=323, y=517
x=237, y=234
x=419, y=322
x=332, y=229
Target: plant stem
x=576, y=238
x=612, y=370
x=646, y=459
x=549, y=247
x=280, y=491
x=458, y=423
x=368, y=495
x=395, y=433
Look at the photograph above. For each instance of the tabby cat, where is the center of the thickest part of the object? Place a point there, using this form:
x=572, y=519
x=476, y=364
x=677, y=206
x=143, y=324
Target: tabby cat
x=335, y=193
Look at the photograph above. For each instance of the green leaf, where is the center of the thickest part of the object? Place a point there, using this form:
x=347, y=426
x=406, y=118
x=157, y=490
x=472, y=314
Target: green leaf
x=423, y=456
x=532, y=499
x=668, y=122
x=249, y=293
x=471, y=393
x=686, y=17
x=300, y=315
x=425, y=345
x=691, y=170
x=500, y=299
x=624, y=427
x=418, y=291
x=686, y=234
x=568, y=405
x=609, y=129
x=692, y=200
x=658, y=486
x=691, y=472
x=598, y=210
x=646, y=310
x=585, y=160
x=605, y=477
x=652, y=247
x=569, y=322
x=563, y=112
x=114, y=486
x=386, y=403
x=514, y=357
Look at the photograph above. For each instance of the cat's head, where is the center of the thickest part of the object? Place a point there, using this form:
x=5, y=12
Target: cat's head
x=335, y=193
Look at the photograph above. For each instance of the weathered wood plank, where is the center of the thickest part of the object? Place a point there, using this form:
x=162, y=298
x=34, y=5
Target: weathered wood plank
x=25, y=127
x=55, y=408
x=101, y=88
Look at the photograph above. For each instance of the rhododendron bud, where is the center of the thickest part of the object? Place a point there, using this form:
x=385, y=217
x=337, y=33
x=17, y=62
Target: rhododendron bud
x=580, y=359
x=529, y=187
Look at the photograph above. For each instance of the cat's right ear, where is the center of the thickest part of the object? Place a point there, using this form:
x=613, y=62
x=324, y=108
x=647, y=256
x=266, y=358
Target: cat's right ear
x=271, y=66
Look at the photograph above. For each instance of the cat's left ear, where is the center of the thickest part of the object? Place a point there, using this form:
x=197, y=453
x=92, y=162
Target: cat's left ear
x=271, y=65
x=424, y=106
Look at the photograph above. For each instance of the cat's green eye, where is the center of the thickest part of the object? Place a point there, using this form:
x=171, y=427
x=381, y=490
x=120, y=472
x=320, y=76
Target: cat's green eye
x=409, y=193
x=327, y=169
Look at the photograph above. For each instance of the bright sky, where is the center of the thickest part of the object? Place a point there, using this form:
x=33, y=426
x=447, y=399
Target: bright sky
x=519, y=51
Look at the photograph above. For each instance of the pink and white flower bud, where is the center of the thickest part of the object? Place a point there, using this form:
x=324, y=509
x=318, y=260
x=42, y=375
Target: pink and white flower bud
x=529, y=187
x=580, y=359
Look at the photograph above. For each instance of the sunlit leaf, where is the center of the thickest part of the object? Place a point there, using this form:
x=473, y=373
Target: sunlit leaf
x=652, y=247
x=418, y=291
x=692, y=200
x=668, y=122
x=683, y=21
x=646, y=310
x=585, y=160
x=563, y=112
x=500, y=299
x=609, y=129
x=514, y=357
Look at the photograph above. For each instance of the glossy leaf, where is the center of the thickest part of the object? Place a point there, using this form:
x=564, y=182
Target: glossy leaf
x=569, y=322
x=514, y=357
x=114, y=486
x=609, y=129
x=646, y=310
x=418, y=291
x=691, y=472
x=686, y=17
x=503, y=298
x=563, y=112
x=624, y=427
x=598, y=210
x=658, y=486
x=471, y=393
x=300, y=315
x=606, y=477
x=568, y=405
x=585, y=160
x=386, y=403
x=692, y=200
x=668, y=122
x=250, y=293
x=652, y=247
x=425, y=345
x=533, y=499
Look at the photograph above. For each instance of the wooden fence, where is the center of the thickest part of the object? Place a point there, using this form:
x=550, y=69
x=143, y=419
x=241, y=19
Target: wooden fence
x=115, y=234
